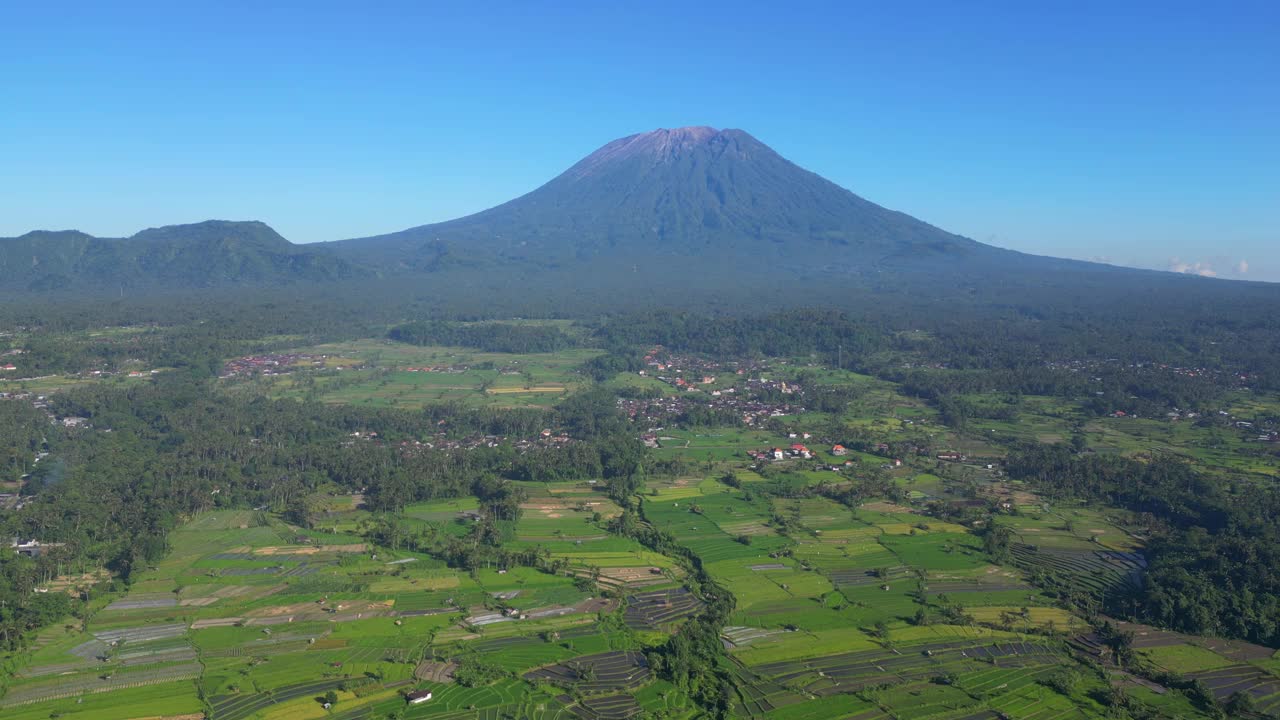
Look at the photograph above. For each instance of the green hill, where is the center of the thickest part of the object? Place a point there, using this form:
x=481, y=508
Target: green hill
x=208, y=254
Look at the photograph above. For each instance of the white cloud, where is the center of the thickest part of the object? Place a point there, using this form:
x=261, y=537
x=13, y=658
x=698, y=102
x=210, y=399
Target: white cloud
x=1242, y=267
x=1202, y=269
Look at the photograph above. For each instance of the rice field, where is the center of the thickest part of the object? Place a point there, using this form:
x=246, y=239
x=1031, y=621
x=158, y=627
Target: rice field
x=387, y=374
x=871, y=610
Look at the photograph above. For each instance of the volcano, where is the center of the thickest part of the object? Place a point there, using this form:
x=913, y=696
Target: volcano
x=692, y=192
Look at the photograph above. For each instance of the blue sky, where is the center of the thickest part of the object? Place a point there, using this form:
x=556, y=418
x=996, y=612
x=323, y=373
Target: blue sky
x=1140, y=133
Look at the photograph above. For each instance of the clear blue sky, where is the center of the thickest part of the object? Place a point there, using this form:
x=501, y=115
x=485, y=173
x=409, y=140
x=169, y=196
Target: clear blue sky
x=1136, y=132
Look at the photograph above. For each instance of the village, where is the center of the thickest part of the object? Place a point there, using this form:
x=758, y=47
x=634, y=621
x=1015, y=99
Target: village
x=702, y=386
x=1218, y=374
x=656, y=412
x=272, y=364
x=442, y=441
x=285, y=363
x=663, y=361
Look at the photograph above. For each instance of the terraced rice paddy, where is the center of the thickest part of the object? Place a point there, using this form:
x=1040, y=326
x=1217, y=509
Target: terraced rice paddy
x=652, y=610
x=1098, y=571
x=603, y=672
x=606, y=707
x=871, y=611
x=1262, y=686
x=239, y=707
x=855, y=671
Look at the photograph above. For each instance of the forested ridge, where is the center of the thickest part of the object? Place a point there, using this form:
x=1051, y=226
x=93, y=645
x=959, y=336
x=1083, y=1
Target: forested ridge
x=1214, y=551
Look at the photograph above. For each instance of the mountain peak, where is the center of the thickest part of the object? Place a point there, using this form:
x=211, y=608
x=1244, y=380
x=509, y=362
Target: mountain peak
x=203, y=254
x=668, y=136
x=47, y=235
x=216, y=231
x=660, y=146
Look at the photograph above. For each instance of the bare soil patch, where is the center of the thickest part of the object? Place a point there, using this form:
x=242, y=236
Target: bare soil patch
x=435, y=671
x=887, y=507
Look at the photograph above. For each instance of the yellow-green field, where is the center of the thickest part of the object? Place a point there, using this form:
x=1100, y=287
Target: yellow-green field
x=388, y=374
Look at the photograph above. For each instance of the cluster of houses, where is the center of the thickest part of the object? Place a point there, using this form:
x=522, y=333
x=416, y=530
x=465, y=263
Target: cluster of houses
x=32, y=548
x=441, y=441
x=7, y=365
x=1217, y=374
x=130, y=373
x=777, y=453
x=691, y=385
x=797, y=451
x=451, y=369
x=1259, y=435
x=655, y=412
x=270, y=364
x=1254, y=432
x=659, y=359
x=39, y=402
x=750, y=385
x=1264, y=431
x=1195, y=371
x=761, y=385
x=754, y=399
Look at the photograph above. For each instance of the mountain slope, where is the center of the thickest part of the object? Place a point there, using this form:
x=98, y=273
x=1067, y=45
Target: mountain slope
x=689, y=192
x=207, y=254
